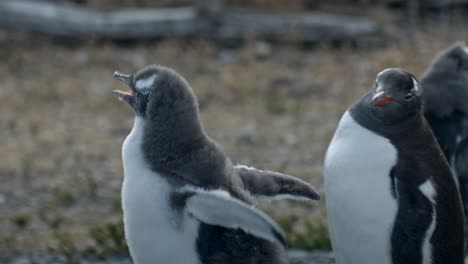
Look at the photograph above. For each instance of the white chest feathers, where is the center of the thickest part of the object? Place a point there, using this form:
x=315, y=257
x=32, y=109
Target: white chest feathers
x=360, y=207
x=152, y=229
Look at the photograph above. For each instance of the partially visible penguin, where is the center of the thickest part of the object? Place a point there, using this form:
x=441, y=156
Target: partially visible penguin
x=390, y=195
x=445, y=104
x=183, y=200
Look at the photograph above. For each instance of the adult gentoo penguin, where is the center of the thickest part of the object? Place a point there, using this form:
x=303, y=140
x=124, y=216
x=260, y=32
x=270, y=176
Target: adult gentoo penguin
x=183, y=200
x=445, y=107
x=390, y=195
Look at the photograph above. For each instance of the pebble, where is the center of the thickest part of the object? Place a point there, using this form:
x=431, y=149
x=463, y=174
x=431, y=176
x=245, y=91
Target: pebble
x=290, y=139
x=248, y=134
x=139, y=60
x=2, y=199
x=262, y=49
x=228, y=56
x=81, y=57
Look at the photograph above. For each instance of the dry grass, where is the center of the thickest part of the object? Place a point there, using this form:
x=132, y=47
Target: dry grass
x=61, y=170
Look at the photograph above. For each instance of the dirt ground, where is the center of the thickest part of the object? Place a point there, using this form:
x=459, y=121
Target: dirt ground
x=272, y=107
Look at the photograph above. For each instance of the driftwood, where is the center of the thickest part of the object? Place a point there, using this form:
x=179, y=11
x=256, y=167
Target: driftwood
x=72, y=21
x=443, y=3
x=433, y=4
x=309, y=27
x=210, y=20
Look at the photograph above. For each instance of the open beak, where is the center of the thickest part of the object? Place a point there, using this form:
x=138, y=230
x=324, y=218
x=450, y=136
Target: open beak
x=380, y=99
x=124, y=95
x=123, y=77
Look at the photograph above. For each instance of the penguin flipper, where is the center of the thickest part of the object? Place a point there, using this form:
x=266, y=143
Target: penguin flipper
x=218, y=208
x=273, y=185
x=461, y=169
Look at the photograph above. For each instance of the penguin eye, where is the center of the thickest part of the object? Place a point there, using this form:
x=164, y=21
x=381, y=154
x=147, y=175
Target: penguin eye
x=408, y=97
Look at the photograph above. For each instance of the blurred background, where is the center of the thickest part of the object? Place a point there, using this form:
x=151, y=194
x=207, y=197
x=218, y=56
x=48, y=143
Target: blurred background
x=272, y=79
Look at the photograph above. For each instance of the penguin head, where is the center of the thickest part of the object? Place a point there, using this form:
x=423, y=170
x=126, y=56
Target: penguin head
x=453, y=59
x=395, y=95
x=154, y=89
x=445, y=82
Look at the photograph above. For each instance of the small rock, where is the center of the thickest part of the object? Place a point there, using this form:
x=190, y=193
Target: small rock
x=248, y=134
x=49, y=259
x=3, y=37
x=290, y=139
x=81, y=56
x=228, y=56
x=139, y=60
x=111, y=260
x=22, y=260
x=262, y=50
x=2, y=199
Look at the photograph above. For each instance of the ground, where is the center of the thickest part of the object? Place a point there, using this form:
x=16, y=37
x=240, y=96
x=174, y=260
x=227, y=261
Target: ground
x=273, y=107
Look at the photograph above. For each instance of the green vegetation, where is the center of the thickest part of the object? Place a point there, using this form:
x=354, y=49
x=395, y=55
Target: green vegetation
x=63, y=196
x=8, y=245
x=108, y=240
x=53, y=219
x=66, y=246
x=21, y=220
x=309, y=234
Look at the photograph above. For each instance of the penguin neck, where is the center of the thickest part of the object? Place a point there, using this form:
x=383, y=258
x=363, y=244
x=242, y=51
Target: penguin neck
x=366, y=118
x=412, y=133
x=170, y=136
x=174, y=126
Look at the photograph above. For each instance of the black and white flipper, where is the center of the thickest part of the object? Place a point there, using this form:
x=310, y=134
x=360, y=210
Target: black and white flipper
x=270, y=185
x=461, y=168
x=218, y=208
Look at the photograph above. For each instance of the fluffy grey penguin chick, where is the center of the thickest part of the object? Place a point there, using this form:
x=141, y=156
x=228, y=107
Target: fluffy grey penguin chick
x=445, y=101
x=391, y=197
x=183, y=200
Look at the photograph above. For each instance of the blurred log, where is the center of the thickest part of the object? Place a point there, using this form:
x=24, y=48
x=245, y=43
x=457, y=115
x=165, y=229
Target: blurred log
x=443, y=3
x=212, y=21
x=308, y=27
x=435, y=4
x=73, y=21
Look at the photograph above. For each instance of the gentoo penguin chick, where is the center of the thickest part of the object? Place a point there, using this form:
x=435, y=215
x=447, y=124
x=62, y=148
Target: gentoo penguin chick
x=390, y=194
x=183, y=200
x=445, y=106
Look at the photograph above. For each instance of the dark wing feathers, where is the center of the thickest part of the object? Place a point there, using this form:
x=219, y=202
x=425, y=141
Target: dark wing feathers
x=271, y=185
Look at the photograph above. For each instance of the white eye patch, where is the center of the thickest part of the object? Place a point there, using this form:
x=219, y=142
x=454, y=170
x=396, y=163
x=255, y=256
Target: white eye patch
x=143, y=85
x=379, y=87
x=416, y=90
x=382, y=72
x=377, y=94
